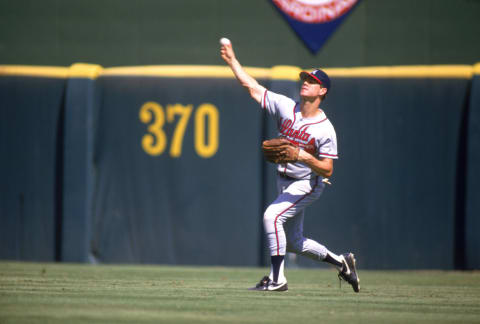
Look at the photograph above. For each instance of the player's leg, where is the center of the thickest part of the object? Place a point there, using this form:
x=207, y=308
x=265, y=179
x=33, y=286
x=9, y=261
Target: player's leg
x=293, y=198
x=299, y=244
x=273, y=220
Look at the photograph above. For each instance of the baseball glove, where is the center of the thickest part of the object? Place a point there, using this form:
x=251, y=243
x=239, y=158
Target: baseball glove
x=280, y=150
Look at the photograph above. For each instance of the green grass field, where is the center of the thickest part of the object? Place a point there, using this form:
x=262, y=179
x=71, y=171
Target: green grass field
x=68, y=293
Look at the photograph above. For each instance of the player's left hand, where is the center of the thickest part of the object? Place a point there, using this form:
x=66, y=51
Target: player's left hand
x=280, y=150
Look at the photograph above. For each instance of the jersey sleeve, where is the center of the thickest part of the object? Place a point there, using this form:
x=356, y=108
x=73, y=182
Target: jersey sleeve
x=273, y=102
x=328, y=145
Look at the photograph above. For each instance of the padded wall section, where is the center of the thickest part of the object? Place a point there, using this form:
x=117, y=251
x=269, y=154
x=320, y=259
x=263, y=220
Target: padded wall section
x=177, y=172
x=31, y=110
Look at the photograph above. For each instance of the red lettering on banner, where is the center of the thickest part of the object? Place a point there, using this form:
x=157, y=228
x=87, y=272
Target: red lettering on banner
x=315, y=13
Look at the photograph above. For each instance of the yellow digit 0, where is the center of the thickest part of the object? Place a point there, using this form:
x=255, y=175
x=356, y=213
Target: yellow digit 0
x=177, y=140
x=206, y=114
x=155, y=142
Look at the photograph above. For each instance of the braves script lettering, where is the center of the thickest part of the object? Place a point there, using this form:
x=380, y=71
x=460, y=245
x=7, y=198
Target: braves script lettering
x=300, y=138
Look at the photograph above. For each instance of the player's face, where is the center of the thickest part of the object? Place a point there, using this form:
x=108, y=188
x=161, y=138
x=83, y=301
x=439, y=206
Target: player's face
x=310, y=88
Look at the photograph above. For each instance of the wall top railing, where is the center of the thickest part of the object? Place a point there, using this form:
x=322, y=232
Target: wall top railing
x=280, y=72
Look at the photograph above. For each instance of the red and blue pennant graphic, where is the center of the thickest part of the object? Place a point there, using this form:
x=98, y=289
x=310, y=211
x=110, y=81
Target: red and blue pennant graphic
x=315, y=20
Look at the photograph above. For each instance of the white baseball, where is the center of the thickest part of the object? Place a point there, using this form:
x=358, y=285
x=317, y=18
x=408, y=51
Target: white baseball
x=224, y=41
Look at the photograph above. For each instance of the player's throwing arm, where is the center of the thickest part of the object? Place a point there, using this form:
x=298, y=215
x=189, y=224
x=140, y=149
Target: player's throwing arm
x=228, y=55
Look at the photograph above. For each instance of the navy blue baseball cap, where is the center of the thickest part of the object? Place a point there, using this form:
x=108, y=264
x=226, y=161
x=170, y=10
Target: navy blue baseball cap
x=319, y=76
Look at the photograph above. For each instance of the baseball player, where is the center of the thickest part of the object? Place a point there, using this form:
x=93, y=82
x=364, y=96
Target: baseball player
x=304, y=167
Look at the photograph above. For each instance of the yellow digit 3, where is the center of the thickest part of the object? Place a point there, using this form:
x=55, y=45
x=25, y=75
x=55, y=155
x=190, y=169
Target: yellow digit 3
x=155, y=142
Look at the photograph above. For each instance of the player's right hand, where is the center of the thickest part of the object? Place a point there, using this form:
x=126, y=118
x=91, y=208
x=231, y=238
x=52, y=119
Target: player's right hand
x=227, y=53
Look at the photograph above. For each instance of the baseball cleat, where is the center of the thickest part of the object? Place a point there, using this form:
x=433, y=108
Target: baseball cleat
x=262, y=285
x=349, y=271
x=274, y=286
x=266, y=284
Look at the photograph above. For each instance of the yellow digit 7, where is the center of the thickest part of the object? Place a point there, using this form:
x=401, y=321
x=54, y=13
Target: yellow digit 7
x=177, y=140
x=155, y=142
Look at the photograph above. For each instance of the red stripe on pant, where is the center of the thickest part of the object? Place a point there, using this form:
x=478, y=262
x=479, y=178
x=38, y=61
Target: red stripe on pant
x=295, y=203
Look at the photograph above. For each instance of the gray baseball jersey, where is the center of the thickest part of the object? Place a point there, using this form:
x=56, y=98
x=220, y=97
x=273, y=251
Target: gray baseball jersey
x=315, y=135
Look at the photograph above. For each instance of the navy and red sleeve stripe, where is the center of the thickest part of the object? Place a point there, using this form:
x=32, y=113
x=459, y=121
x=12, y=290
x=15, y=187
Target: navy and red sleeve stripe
x=328, y=155
x=264, y=105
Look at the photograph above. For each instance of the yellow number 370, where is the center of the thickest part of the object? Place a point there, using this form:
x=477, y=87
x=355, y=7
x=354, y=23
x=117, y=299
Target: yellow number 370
x=206, y=128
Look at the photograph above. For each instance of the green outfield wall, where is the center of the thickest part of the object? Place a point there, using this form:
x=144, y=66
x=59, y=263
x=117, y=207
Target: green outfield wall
x=146, y=32
x=162, y=164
